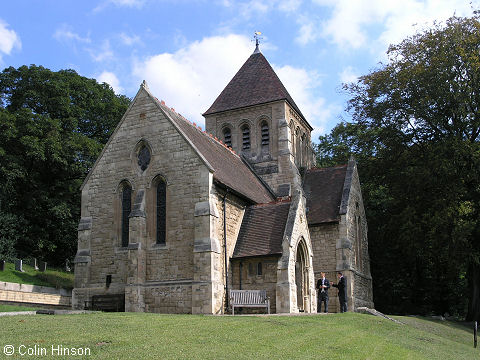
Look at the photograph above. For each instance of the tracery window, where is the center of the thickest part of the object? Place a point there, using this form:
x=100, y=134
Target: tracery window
x=161, y=207
x=126, y=209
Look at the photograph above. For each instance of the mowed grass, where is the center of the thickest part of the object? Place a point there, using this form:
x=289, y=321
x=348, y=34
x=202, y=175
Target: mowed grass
x=155, y=336
x=51, y=277
x=11, y=308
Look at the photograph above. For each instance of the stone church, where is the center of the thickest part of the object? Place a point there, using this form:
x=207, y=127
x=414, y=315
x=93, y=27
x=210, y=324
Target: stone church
x=173, y=217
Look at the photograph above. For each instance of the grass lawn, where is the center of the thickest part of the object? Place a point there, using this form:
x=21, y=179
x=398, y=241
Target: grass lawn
x=51, y=277
x=10, y=308
x=155, y=336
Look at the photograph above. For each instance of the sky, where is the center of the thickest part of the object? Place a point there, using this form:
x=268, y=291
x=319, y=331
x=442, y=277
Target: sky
x=188, y=50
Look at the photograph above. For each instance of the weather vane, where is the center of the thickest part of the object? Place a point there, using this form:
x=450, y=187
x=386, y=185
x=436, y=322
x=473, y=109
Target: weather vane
x=257, y=37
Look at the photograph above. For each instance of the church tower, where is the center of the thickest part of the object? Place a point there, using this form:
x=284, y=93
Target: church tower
x=256, y=116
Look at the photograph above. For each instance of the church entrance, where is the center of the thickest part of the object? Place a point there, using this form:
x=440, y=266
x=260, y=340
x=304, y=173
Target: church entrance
x=301, y=276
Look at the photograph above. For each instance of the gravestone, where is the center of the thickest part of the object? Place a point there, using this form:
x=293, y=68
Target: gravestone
x=42, y=266
x=18, y=265
x=2, y=265
x=33, y=263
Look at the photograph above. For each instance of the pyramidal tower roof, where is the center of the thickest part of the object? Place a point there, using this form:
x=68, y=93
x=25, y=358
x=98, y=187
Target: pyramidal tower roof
x=255, y=83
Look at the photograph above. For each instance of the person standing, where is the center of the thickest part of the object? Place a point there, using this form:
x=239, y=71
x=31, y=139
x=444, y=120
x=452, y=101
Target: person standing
x=323, y=285
x=342, y=291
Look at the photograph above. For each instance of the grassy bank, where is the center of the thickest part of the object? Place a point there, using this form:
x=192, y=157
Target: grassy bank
x=11, y=308
x=153, y=336
x=51, y=277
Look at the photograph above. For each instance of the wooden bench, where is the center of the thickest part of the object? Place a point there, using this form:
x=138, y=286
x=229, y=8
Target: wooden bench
x=249, y=298
x=114, y=302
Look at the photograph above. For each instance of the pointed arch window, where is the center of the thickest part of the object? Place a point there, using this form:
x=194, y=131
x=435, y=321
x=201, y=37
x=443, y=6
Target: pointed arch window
x=227, y=137
x=245, y=137
x=161, y=211
x=126, y=209
x=265, y=134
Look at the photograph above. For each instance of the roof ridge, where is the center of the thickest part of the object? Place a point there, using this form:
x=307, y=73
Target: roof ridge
x=198, y=128
x=275, y=202
x=326, y=167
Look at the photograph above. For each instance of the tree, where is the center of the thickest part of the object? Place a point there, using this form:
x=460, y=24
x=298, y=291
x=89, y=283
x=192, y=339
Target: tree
x=415, y=130
x=52, y=127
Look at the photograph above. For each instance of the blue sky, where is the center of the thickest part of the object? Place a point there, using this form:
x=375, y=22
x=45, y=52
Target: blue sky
x=187, y=51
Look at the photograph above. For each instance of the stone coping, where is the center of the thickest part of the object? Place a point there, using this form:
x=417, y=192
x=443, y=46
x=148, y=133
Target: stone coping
x=8, y=286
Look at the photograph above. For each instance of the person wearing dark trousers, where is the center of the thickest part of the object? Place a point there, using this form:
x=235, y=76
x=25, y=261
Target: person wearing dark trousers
x=342, y=291
x=323, y=285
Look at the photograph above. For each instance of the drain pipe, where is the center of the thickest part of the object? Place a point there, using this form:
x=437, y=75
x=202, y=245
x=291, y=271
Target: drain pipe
x=225, y=246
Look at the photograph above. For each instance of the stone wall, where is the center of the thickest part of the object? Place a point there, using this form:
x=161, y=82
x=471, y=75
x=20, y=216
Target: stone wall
x=296, y=236
x=35, y=295
x=324, y=240
x=249, y=279
x=276, y=164
x=358, y=260
x=188, y=181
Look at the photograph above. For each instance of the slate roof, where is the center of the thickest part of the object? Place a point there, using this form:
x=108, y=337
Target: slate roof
x=229, y=169
x=262, y=230
x=255, y=83
x=324, y=190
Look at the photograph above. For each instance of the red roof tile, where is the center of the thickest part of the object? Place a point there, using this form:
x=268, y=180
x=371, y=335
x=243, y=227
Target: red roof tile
x=323, y=189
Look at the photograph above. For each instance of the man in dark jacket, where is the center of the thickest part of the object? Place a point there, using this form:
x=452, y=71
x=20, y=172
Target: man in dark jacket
x=342, y=291
x=322, y=285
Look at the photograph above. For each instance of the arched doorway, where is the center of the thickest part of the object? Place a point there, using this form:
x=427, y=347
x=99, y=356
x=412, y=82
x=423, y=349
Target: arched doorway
x=301, y=276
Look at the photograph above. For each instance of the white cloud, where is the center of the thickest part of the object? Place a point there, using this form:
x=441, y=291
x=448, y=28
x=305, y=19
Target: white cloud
x=129, y=40
x=351, y=20
x=65, y=34
x=303, y=87
x=9, y=39
x=111, y=79
x=307, y=32
x=348, y=75
x=103, y=53
x=190, y=79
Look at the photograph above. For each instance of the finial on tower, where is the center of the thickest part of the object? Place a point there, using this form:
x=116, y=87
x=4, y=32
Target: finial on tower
x=257, y=37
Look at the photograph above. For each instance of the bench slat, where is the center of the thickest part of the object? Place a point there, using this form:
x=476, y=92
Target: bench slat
x=249, y=298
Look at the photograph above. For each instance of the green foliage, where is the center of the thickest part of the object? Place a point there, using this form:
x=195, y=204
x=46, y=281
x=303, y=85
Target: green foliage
x=15, y=308
x=415, y=134
x=154, y=336
x=50, y=277
x=52, y=127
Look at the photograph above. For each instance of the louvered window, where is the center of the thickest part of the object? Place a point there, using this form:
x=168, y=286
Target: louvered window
x=126, y=209
x=161, y=212
x=227, y=137
x=245, y=138
x=265, y=134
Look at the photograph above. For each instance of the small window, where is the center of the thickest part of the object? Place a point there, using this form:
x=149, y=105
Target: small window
x=144, y=157
x=259, y=268
x=265, y=134
x=227, y=137
x=126, y=209
x=245, y=138
x=161, y=208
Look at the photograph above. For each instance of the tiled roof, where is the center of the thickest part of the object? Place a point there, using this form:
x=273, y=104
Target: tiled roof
x=323, y=189
x=262, y=230
x=255, y=83
x=229, y=169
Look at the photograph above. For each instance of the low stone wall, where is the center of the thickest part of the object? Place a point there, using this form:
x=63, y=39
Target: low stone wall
x=36, y=295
